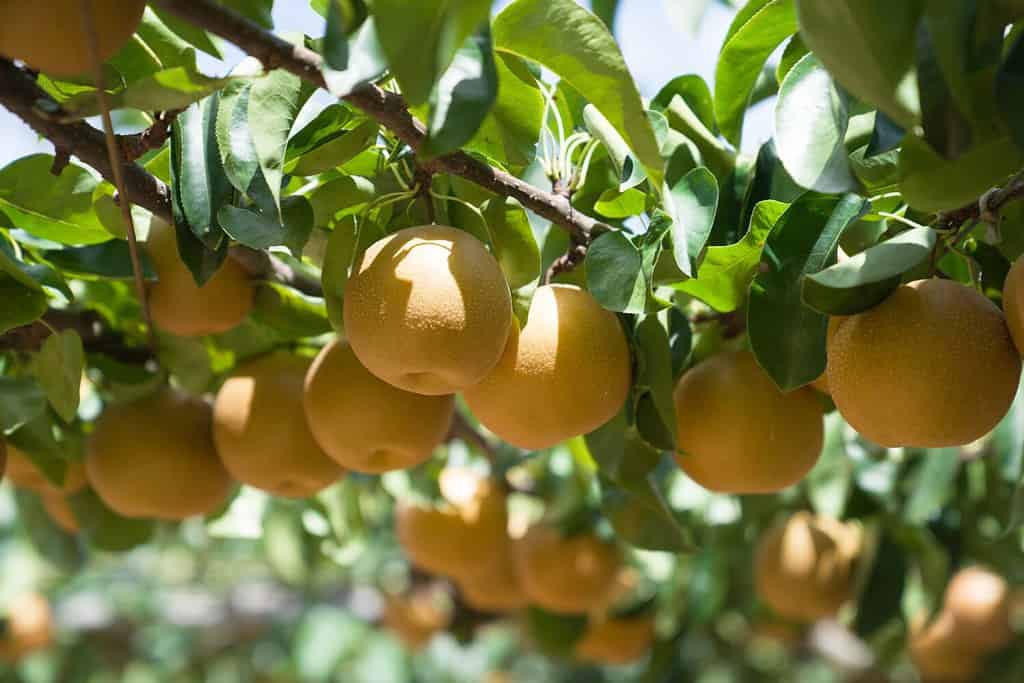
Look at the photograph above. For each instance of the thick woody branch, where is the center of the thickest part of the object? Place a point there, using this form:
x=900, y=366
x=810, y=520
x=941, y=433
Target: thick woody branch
x=20, y=94
x=987, y=208
x=389, y=109
x=97, y=336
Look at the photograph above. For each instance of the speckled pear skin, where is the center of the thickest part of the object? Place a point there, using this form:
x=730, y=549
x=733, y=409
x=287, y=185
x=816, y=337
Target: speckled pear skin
x=428, y=310
x=932, y=366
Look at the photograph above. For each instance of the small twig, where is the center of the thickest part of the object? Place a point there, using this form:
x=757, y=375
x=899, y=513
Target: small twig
x=263, y=266
x=462, y=430
x=134, y=146
x=61, y=158
x=424, y=180
x=734, y=323
x=116, y=165
x=96, y=335
x=567, y=262
x=986, y=208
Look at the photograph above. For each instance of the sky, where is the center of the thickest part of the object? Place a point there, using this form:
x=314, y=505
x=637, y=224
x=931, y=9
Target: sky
x=655, y=48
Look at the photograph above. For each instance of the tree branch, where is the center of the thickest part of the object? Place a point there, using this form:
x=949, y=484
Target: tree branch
x=97, y=336
x=389, y=109
x=987, y=208
x=20, y=94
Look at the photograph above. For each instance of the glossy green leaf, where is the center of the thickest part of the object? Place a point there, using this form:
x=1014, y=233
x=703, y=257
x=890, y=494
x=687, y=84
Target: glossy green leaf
x=512, y=240
x=868, y=47
x=1009, y=93
x=691, y=203
x=695, y=93
x=742, y=58
x=110, y=259
x=366, y=62
x=59, y=366
x=630, y=172
x=251, y=228
x=21, y=304
x=235, y=142
x=190, y=33
x=298, y=219
x=174, y=88
x=930, y=183
x=934, y=485
x=615, y=204
x=886, y=582
x=200, y=186
x=576, y=45
x=104, y=528
x=654, y=383
x=811, y=119
x=57, y=208
x=787, y=337
x=866, y=279
x=22, y=399
x=52, y=543
x=290, y=313
x=420, y=39
x=340, y=197
x=462, y=97
x=511, y=129
x=725, y=275
x=335, y=50
x=615, y=273
x=335, y=151
x=715, y=154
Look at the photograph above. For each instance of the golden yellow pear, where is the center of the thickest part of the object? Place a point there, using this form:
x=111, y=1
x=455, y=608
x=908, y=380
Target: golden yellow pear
x=613, y=641
x=154, y=457
x=23, y=473
x=428, y=310
x=59, y=510
x=1013, y=302
x=418, y=616
x=932, y=366
x=259, y=427
x=939, y=655
x=365, y=424
x=567, y=575
x=737, y=433
x=462, y=536
x=496, y=588
x=29, y=627
x=979, y=602
x=50, y=35
x=180, y=306
x=565, y=374
x=803, y=568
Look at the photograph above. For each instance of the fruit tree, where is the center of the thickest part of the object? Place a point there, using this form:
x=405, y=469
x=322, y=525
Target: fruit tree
x=427, y=345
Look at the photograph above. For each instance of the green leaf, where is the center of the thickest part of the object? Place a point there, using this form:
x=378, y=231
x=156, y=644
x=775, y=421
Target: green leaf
x=742, y=59
x=714, y=153
x=787, y=337
x=695, y=93
x=110, y=259
x=933, y=485
x=725, y=275
x=866, y=279
x=868, y=47
x=654, y=383
x=22, y=399
x=830, y=481
x=555, y=635
x=274, y=102
x=335, y=39
x=259, y=11
x=1009, y=93
x=57, y=208
x=885, y=584
x=237, y=148
x=366, y=62
x=174, y=88
x=335, y=151
x=576, y=45
x=190, y=33
x=298, y=217
x=691, y=203
x=615, y=273
x=642, y=518
x=104, y=528
x=420, y=39
x=36, y=440
x=810, y=126
x=59, y=365
x=49, y=540
x=200, y=186
x=629, y=171
x=615, y=204
x=930, y=183
x=340, y=197
x=512, y=240
x=251, y=228
x=21, y=304
x=945, y=37
x=511, y=129
x=290, y=313
x=462, y=97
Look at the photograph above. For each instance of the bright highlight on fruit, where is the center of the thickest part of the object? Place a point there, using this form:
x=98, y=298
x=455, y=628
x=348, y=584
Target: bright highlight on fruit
x=428, y=310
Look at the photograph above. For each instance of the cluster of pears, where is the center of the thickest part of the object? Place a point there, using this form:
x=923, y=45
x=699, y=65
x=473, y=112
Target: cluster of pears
x=466, y=538
x=804, y=567
x=974, y=622
x=51, y=36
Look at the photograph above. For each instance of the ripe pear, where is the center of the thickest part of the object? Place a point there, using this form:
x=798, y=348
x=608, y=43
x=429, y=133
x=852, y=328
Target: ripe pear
x=180, y=306
x=614, y=641
x=496, y=588
x=259, y=427
x=365, y=424
x=29, y=627
x=932, y=366
x=1013, y=302
x=51, y=37
x=154, y=457
x=803, y=568
x=428, y=310
x=565, y=374
x=22, y=472
x=737, y=433
x=416, y=617
x=979, y=602
x=939, y=655
x=567, y=575
x=462, y=537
